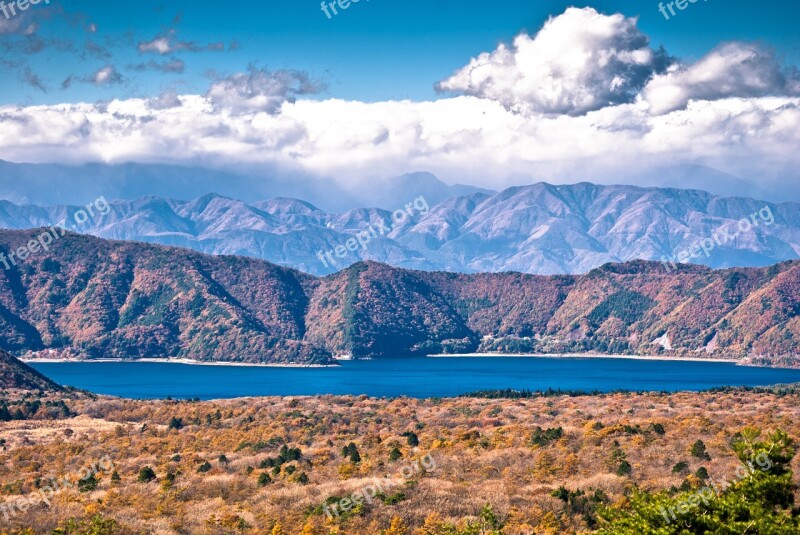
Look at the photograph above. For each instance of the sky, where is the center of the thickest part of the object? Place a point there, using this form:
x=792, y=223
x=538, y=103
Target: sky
x=491, y=94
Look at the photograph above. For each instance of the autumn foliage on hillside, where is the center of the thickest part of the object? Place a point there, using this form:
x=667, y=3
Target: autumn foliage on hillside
x=91, y=298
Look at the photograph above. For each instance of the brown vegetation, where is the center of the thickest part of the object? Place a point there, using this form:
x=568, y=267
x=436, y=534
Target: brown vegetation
x=93, y=298
x=519, y=462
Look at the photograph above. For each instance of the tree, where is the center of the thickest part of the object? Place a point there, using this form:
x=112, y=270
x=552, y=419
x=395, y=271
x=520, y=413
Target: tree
x=681, y=467
x=351, y=451
x=396, y=527
x=88, y=483
x=759, y=503
x=411, y=438
x=395, y=454
x=146, y=475
x=175, y=423
x=264, y=479
x=699, y=451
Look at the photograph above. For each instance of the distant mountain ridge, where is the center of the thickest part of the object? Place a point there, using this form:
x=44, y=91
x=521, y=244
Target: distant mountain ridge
x=50, y=184
x=90, y=298
x=538, y=229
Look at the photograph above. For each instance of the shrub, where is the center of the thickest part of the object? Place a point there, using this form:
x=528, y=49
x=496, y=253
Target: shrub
x=411, y=438
x=175, y=423
x=699, y=451
x=146, y=474
x=88, y=484
x=680, y=467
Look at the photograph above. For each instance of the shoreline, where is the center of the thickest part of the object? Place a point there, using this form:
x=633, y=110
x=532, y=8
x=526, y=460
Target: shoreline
x=190, y=362
x=582, y=356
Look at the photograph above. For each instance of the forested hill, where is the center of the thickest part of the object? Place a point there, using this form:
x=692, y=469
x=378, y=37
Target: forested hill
x=18, y=375
x=90, y=298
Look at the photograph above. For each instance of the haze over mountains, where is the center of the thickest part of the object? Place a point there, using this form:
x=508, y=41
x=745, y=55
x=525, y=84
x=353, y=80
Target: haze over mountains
x=93, y=298
x=540, y=229
x=51, y=184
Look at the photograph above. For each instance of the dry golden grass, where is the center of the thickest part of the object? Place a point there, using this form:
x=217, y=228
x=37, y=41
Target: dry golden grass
x=482, y=450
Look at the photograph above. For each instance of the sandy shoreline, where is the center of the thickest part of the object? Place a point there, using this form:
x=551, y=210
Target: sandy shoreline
x=448, y=355
x=190, y=362
x=581, y=356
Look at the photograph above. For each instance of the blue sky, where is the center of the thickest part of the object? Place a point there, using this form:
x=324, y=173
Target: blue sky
x=375, y=50
x=490, y=94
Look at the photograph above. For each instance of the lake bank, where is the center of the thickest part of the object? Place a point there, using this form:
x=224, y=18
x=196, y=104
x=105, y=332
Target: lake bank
x=187, y=362
x=586, y=356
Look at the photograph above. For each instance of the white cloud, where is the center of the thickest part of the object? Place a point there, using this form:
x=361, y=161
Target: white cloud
x=463, y=139
x=593, y=109
x=731, y=70
x=261, y=90
x=166, y=45
x=159, y=45
x=106, y=75
x=578, y=62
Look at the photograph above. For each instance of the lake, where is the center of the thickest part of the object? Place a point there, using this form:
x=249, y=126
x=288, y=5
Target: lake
x=418, y=377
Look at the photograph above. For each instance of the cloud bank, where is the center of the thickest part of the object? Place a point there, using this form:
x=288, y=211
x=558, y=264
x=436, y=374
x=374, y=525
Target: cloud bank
x=587, y=97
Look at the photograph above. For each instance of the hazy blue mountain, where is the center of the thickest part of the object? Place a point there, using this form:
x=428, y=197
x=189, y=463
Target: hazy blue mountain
x=51, y=184
x=541, y=229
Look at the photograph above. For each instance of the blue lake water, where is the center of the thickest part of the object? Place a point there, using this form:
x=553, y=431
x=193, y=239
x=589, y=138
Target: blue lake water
x=420, y=377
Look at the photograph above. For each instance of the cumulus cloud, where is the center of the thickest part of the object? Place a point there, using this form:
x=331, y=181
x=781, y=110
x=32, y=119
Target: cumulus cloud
x=578, y=62
x=106, y=75
x=731, y=70
x=261, y=90
x=586, y=93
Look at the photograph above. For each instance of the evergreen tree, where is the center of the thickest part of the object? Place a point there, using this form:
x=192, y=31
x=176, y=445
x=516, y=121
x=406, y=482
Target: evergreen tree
x=760, y=503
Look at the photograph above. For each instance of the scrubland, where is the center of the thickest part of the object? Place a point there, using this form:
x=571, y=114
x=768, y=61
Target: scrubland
x=542, y=465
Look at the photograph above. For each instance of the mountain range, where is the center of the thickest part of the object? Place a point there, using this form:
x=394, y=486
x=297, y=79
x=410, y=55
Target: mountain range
x=538, y=229
x=92, y=298
x=49, y=184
